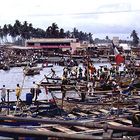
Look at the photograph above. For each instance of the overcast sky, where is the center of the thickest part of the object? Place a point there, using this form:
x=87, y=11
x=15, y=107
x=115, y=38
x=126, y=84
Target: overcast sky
x=87, y=15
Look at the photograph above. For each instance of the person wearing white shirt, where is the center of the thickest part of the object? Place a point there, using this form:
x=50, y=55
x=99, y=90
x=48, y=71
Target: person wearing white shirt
x=3, y=93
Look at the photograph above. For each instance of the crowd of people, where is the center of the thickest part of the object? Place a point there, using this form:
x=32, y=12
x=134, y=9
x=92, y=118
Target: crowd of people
x=34, y=91
x=115, y=77
x=102, y=78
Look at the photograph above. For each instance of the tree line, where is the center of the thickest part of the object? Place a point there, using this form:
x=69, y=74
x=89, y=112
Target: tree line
x=21, y=31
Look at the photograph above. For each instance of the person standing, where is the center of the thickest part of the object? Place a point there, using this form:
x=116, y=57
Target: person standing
x=33, y=90
x=80, y=73
x=3, y=93
x=53, y=73
x=63, y=91
x=65, y=72
x=18, y=91
x=37, y=92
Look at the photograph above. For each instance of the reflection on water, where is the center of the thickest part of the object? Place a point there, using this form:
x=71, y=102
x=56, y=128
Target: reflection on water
x=15, y=76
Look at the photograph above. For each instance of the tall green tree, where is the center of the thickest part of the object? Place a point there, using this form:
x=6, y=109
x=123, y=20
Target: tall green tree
x=21, y=31
x=1, y=35
x=55, y=30
x=68, y=34
x=135, y=37
x=90, y=38
x=52, y=31
x=39, y=33
x=24, y=31
x=17, y=27
x=75, y=33
x=5, y=32
x=30, y=29
x=12, y=32
x=62, y=33
x=49, y=32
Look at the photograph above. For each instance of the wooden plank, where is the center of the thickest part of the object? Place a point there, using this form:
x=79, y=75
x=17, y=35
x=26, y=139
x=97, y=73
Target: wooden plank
x=126, y=121
x=115, y=123
x=136, y=97
x=48, y=125
x=71, y=116
x=95, y=112
x=96, y=131
x=86, y=130
x=64, y=129
x=133, y=111
x=43, y=129
x=104, y=111
x=82, y=128
x=80, y=113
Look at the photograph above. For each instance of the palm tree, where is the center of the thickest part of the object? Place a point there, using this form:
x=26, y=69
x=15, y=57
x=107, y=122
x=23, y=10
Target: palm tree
x=68, y=34
x=49, y=32
x=75, y=33
x=11, y=32
x=1, y=35
x=40, y=33
x=55, y=30
x=62, y=33
x=26, y=30
x=90, y=38
x=52, y=31
x=5, y=32
x=30, y=28
x=135, y=37
x=17, y=27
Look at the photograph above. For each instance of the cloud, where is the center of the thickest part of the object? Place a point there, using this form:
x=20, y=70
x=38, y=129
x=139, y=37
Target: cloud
x=88, y=15
x=115, y=7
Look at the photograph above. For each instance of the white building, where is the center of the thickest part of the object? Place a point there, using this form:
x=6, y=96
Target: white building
x=116, y=40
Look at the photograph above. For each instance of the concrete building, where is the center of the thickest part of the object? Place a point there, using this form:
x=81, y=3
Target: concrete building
x=53, y=44
x=116, y=41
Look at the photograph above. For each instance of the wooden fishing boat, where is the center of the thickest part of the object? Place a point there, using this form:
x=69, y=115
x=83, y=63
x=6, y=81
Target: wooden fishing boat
x=79, y=123
x=6, y=67
x=31, y=70
x=58, y=81
x=103, y=116
x=59, y=78
x=106, y=118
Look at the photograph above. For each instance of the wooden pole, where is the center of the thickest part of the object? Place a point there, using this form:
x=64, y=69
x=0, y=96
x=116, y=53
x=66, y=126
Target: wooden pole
x=118, y=106
x=8, y=101
x=49, y=121
x=16, y=132
x=73, y=123
x=45, y=77
x=55, y=102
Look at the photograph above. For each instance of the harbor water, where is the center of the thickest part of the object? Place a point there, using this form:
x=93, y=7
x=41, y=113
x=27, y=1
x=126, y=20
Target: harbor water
x=15, y=76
